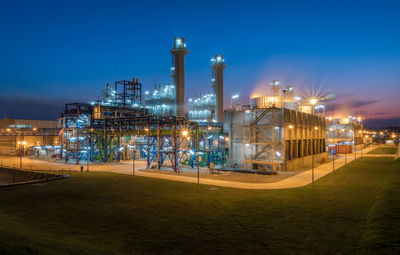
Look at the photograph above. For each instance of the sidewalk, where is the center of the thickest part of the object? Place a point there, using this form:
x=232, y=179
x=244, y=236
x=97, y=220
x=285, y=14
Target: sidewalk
x=295, y=181
x=298, y=180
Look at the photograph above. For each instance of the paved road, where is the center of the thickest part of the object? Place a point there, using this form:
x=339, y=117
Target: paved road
x=295, y=181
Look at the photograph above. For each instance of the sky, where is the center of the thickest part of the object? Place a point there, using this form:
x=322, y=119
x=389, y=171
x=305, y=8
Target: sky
x=57, y=52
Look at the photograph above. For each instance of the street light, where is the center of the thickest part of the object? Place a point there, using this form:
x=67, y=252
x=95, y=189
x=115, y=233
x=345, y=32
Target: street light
x=313, y=155
x=234, y=97
x=313, y=102
x=21, y=150
x=184, y=132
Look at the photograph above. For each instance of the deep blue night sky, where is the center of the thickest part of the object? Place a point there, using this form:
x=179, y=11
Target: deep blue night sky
x=54, y=52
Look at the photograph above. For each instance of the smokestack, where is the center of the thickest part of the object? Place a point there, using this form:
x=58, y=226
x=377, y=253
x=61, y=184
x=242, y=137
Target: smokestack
x=218, y=65
x=179, y=51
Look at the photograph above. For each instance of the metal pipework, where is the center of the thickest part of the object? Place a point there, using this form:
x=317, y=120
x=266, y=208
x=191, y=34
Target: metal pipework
x=179, y=51
x=218, y=65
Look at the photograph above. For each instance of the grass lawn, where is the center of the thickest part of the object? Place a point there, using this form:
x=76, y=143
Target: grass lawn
x=384, y=150
x=354, y=210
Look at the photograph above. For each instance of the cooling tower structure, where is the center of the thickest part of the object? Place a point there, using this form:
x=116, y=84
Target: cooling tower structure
x=218, y=65
x=178, y=52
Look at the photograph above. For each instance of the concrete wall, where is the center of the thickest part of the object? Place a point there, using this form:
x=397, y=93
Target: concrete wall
x=305, y=162
x=233, y=121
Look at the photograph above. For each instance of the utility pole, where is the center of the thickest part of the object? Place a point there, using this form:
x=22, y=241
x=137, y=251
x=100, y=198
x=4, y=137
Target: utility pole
x=133, y=163
x=313, y=152
x=198, y=169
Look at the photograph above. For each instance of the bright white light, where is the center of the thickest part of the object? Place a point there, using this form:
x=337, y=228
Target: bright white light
x=313, y=101
x=235, y=96
x=297, y=98
x=278, y=154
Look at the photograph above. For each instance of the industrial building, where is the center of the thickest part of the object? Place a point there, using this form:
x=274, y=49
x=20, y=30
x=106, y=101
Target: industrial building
x=271, y=137
x=28, y=137
x=344, y=133
x=278, y=131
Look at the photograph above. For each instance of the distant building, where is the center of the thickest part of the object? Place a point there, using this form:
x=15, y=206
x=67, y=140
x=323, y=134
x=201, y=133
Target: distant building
x=19, y=135
x=344, y=131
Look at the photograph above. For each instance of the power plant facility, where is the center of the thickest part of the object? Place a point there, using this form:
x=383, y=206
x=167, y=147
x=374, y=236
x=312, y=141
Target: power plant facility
x=280, y=131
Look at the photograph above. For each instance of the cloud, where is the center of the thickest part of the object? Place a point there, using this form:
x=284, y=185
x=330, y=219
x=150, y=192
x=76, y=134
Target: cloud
x=349, y=105
x=360, y=103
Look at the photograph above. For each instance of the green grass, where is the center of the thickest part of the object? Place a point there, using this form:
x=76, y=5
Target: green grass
x=384, y=150
x=354, y=210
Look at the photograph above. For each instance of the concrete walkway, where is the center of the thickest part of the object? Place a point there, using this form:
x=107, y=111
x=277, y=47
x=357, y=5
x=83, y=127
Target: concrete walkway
x=298, y=180
x=295, y=181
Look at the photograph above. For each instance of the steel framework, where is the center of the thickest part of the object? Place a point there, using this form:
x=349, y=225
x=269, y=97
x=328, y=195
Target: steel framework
x=263, y=138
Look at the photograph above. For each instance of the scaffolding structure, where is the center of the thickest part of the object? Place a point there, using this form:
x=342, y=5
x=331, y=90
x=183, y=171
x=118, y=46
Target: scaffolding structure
x=263, y=138
x=74, y=139
x=116, y=128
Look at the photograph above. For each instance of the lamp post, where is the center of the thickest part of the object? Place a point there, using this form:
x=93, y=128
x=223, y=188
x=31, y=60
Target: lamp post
x=198, y=169
x=313, y=102
x=313, y=155
x=284, y=97
x=133, y=162
x=21, y=150
x=234, y=97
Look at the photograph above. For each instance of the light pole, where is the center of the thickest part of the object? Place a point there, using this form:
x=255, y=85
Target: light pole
x=198, y=169
x=234, y=97
x=313, y=155
x=313, y=102
x=133, y=163
x=284, y=97
x=21, y=150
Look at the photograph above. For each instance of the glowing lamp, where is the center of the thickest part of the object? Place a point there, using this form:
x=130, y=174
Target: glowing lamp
x=313, y=101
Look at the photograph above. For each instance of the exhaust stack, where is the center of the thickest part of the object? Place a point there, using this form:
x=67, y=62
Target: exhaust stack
x=178, y=52
x=218, y=65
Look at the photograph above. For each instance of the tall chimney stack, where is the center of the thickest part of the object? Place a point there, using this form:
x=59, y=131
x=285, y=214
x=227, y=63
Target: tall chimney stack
x=218, y=65
x=179, y=51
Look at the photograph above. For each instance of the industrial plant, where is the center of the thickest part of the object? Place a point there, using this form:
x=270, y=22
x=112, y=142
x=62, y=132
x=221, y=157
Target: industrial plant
x=276, y=132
